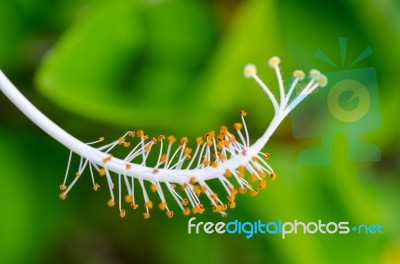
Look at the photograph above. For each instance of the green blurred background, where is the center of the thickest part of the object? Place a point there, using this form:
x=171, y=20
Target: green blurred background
x=99, y=68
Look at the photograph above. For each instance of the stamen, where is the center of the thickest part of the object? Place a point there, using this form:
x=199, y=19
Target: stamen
x=274, y=63
x=233, y=163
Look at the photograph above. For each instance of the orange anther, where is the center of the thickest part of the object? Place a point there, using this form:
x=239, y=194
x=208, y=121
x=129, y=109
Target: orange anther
x=96, y=186
x=111, y=203
x=170, y=214
x=146, y=215
x=122, y=213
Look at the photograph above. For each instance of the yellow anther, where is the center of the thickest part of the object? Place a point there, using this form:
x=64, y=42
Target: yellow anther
x=201, y=208
x=253, y=177
x=210, y=135
x=209, y=143
x=140, y=133
x=213, y=196
x=147, y=147
x=96, y=186
x=197, y=190
x=78, y=173
x=63, y=196
x=198, y=209
x=153, y=187
x=185, y=202
x=199, y=140
x=232, y=204
x=171, y=140
x=206, y=163
x=63, y=187
x=161, y=137
x=238, y=126
x=131, y=133
x=184, y=140
x=134, y=206
x=217, y=209
x=227, y=173
x=299, y=74
x=267, y=155
x=233, y=191
x=128, y=198
x=170, y=214
x=192, y=180
x=126, y=144
x=323, y=81
x=272, y=176
x=262, y=175
x=184, y=186
x=111, y=203
x=254, y=192
x=250, y=70
x=220, y=145
x=106, y=159
x=186, y=211
x=255, y=159
x=188, y=150
x=101, y=139
x=149, y=204
x=128, y=166
x=121, y=140
x=122, y=213
x=231, y=197
x=315, y=74
x=274, y=61
x=262, y=184
x=188, y=157
x=102, y=171
x=203, y=189
x=163, y=158
x=224, y=130
x=243, y=190
x=215, y=164
x=243, y=113
x=146, y=215
x=162, y=206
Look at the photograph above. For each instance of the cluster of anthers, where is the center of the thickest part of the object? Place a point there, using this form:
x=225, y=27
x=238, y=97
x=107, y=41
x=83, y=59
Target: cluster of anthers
x=211, y=151
x=177, y=170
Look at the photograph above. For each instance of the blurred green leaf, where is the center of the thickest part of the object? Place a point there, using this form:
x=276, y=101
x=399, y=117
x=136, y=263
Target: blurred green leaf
x=16, y=228
x=126, y=61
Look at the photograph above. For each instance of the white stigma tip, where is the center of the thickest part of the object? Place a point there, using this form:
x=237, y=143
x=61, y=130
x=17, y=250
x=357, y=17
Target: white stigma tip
x=250, y=70
x=274, y=61
x=315, y=74
x=323, y=81
x=299, y=74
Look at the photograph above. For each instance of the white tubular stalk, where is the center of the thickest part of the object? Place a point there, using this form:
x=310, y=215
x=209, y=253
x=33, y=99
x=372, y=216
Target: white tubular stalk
x=217, y=156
